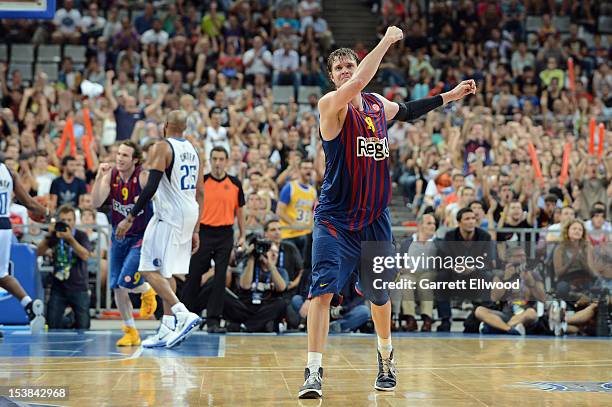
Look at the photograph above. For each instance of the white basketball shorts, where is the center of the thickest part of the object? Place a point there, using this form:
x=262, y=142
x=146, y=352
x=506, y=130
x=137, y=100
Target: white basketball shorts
x=6, y=239
x=162, y=250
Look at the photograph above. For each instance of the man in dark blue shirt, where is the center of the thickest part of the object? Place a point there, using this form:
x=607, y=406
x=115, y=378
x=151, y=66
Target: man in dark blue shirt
x=127, y=113
x=67, y=189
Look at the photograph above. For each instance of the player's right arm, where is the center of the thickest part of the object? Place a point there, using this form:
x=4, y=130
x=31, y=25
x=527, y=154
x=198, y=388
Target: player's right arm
x=25, y=198
x=333, y=104
x=160, y=157
x=101, y=187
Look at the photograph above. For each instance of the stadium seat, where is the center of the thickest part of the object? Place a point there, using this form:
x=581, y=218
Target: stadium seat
x=76, y=52
x=533, y=23
x=561, y=23
x=282, y=94
x=49, y=53
x=306, y=91
x=3, y=53
x=605, y=24
x=50, y=68
x=24, y=68
x=22, y=53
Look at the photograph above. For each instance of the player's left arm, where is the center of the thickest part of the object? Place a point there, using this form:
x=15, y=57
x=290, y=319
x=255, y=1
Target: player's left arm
x=159, y=159
x=25, y=198
x=408, y=111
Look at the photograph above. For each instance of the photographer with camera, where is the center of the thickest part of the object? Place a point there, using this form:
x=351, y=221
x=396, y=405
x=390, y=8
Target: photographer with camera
x=69, y=249
x=516, y=313
x=262, y=284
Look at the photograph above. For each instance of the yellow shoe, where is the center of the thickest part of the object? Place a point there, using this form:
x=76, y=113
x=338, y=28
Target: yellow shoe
x=148, y=303
x=131, y=337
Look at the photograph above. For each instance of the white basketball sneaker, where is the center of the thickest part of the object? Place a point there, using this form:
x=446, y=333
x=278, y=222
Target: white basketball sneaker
x=160, y=339
x=185, y=323
x=35, y=311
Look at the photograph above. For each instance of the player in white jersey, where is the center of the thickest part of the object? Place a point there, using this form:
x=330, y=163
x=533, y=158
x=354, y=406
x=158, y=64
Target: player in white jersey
x=176, y=185
x=10, y=185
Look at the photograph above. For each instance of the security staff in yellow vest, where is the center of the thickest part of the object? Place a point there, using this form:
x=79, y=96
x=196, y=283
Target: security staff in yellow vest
x=295, y=209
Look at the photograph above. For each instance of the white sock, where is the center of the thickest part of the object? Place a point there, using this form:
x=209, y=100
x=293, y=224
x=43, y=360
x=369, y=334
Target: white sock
x=130, y=323
x=143, y=288
x=314, y=361
x=179, y=307
x=385, y=347
x=25, y=301
x=169, y=321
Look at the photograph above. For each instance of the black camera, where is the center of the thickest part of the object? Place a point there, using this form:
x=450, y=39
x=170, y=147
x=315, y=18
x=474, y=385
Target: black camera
x=261, y=246
x=61, y=226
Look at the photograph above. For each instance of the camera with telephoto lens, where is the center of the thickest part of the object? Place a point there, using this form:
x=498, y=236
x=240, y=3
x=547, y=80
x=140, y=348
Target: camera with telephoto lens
x=261, y=246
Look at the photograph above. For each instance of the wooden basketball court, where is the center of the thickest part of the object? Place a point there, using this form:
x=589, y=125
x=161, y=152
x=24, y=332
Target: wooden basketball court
x=210, y=370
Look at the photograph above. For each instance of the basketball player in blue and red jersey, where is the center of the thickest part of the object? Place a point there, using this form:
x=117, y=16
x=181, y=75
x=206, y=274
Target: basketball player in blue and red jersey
x=121, y=186
x=354, y=197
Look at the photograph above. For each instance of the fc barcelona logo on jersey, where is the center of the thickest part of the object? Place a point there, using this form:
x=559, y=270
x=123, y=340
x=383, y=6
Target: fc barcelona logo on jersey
x=375, y=108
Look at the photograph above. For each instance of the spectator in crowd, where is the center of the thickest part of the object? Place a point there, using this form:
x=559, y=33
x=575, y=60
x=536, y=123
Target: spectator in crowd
x=576, y=272
x=67, y=189
x=418, y=245
x=593, y=185
x=290, y=260
x=466, y=231
x=70, y=249
x=599, y=231
x=286, y=63
x=92, y=24
x=261, y=284
x=43, y=174
x=144, y=22
x=517, y=312
x=155, y=35
x=554, y=231
x=257, y=60
x=295, y=208
x=67, y=21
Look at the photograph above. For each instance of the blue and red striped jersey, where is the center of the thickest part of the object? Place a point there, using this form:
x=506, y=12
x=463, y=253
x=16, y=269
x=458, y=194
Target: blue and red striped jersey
x=357, y=185
x=123, y=196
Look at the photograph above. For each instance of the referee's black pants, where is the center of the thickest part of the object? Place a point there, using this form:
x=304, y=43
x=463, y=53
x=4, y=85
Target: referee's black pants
x=216, y=243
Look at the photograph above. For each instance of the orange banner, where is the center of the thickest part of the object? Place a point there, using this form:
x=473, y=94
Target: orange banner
x=68, y=133
x=571, y=74
x=592, y=136
x=87, y=139
x=567, y=150
x=535, y=163
x=600, y=146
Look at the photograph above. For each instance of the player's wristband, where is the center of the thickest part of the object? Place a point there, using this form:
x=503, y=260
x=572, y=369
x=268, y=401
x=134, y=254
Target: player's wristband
x=148, y=191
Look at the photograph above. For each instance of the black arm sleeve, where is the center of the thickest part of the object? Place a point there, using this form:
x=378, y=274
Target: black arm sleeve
x=148, y=191
x=413, y=110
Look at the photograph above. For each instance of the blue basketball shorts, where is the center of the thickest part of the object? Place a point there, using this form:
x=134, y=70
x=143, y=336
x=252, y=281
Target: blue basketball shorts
x=336, y=253
x=124, y=260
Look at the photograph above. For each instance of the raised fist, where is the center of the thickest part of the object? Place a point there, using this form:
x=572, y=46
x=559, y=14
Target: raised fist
x=104, y=168
x=394, y=34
